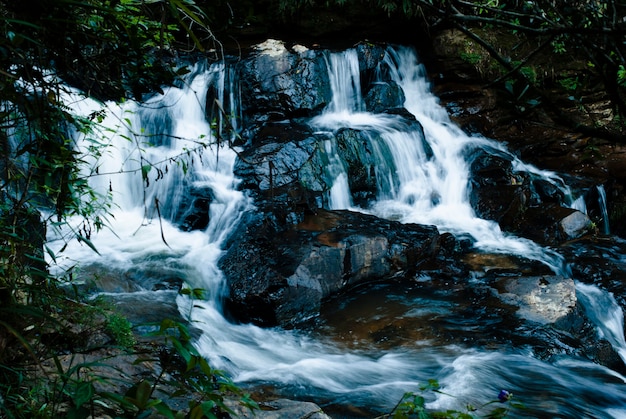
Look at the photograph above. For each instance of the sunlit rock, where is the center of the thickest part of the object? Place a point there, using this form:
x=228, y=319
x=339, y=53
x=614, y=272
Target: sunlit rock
x=543, y=299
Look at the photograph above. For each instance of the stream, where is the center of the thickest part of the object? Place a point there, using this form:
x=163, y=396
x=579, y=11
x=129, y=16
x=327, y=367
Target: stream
x=368, y=349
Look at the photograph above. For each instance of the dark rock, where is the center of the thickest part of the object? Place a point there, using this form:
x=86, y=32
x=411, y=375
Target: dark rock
x=520, y=202
x=384, y=96
x=370, y=55
x=284, y=83
x=285, y=165
x=553, y=224
x=197, y=217
x=280, y=274
x=355, y=149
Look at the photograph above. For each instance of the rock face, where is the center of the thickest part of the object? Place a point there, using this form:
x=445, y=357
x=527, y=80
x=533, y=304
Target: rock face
x=280, y=273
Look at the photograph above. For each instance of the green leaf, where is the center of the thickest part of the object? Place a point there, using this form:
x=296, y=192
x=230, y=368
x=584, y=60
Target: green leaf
x=142, y=394
x=145, y=169
x=207, y=408
x=88, y=242
x=165, y=410
x=84, y=393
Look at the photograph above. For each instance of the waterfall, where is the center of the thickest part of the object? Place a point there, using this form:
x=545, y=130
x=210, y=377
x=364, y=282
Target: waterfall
x=345, y=81
x=163, y=148
x=604, y=312
x=156, y=154
x=605, y=214
x=422, y=181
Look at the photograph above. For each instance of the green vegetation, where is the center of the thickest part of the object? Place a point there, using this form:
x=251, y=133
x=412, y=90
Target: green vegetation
x=413, y=405
x=77, y=386
x=121, y=330
x=111, y=49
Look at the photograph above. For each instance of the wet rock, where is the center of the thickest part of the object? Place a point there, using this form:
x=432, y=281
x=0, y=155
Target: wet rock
x=551, y=225
x=384, y=96
x=282, y=150
x=522, y=203
x=543, y=299
x=280, y=274
x=575, y=225
x=280, y=408
x=281, y=83
x=285, y=165
x=145, y=293
x=370, y=55
x=355, y=149
x=497, y=192
x=197, y=217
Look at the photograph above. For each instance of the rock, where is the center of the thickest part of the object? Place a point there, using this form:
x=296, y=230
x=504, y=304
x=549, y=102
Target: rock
x=279, y=274
x=522, y=203
x=575, y=225
x=384, y=96
x=542, y=299
x=281, y=151
x=281, y=84
x=355, y=149
x=370, y=55
x=552, y=224
x=279, y=409
x=197, y=217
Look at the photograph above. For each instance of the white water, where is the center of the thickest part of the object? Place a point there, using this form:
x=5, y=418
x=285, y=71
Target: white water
x=420, y=189
x=606, y=229
x=414, y=187
x=604, y=311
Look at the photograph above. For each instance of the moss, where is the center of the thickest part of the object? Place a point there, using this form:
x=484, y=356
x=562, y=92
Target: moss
x=120, y=330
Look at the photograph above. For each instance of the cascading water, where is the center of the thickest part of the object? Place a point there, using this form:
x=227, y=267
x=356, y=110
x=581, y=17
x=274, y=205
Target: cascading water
x=421, y=180
x=606, y=229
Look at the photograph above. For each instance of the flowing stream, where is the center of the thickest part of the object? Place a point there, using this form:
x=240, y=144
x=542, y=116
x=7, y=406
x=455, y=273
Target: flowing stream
x=420, y=182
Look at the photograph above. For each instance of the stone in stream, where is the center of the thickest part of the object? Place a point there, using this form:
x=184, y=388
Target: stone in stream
x=544, y=299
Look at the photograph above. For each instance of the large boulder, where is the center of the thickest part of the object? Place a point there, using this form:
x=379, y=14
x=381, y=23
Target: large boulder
x=285, y=164
x=279, y=273
x=522, y=203
x=279, y=83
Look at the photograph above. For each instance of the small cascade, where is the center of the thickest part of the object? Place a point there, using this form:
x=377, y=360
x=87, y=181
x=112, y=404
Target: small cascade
x=603, y=209
x=604, y=312
x=422, y=177
x=157, y=154
x=339, y=195
x=345, y=81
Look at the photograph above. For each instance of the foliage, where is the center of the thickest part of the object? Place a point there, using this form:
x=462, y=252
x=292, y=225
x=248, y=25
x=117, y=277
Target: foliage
x=413, y=405
x=74, y=386
x=206, y=387
x=589, y=31
x=121, y=330
x=111, y=49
